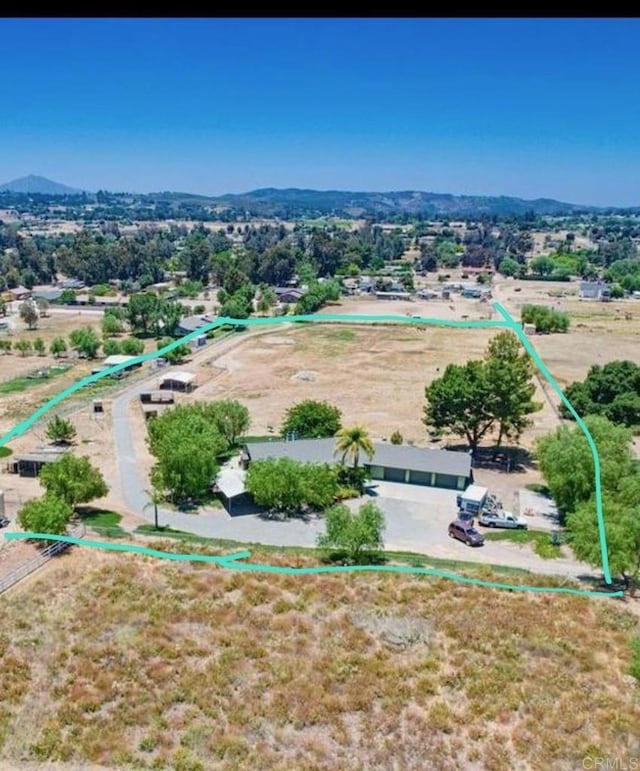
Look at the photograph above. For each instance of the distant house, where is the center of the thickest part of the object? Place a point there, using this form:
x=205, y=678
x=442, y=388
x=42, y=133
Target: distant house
x=390, y=462
x=191, y=323
x=70, y=283
x=393, y=295
x=289, y=295
x=594, y=290
x=50, y=295
x=366, y=286
x=427, y=294
x=19, y=293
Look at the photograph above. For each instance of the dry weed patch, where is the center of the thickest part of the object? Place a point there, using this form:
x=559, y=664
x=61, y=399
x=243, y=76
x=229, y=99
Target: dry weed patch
x=157, y=665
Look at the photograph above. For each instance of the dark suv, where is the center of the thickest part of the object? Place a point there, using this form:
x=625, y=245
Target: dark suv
x=3, y=521
x=466, y=532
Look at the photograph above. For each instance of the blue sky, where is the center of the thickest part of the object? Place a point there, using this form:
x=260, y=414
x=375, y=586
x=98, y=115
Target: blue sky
x=525, y=107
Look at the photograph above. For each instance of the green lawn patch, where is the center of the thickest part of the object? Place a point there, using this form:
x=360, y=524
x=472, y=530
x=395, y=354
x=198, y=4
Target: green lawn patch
x=17, y=384
x=5, y=452
x=102, y=521
x=541, y=542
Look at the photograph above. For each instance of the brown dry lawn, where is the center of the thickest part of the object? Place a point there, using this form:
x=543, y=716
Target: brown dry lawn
x=126, y=662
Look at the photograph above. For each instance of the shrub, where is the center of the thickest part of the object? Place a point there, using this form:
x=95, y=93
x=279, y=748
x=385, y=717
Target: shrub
x=353, y=535
x=396, y=437
x=545, y=319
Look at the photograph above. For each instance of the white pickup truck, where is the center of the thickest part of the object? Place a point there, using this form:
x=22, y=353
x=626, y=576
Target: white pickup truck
x=502, y=519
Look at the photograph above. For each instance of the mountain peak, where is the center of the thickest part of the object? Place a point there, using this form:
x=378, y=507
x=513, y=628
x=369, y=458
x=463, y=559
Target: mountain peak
x=35, y=184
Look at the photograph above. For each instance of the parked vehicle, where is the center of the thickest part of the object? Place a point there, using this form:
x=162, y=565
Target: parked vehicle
x=4, y=521
x=465, y=531
x=472, y=500
x=502, y=519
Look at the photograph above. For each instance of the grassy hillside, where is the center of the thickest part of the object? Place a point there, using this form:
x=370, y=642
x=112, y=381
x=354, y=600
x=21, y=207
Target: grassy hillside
x=127, y=662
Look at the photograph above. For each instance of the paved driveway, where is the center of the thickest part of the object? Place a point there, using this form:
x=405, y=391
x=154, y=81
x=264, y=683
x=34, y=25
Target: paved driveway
x=417, y=518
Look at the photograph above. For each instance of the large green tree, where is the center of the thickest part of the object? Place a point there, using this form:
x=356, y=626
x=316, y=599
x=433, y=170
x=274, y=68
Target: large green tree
x=567, y=464
x=85, y=341
x=622, y=530
x=186, y=445
x=353, y=534
x=509, y=373
x=461, y=402
x=185, y=471
x=48, y=514
x=111, y=325
x=289, y=486
x=73, y=479
x=58, y=346
x=29, y=313
x=612, y=390
x=311, y=419
x=470, y=400
x=175, y=355
x=230, y=418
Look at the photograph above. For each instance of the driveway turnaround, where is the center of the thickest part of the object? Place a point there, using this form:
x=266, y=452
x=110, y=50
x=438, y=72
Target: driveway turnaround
x=417, y=517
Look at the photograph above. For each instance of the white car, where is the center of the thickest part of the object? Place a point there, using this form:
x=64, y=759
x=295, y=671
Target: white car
x=502, y=519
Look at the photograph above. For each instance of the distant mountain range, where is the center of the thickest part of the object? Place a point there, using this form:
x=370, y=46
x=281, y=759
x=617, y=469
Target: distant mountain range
x=41, y=185
x=355, y=204
x=298, y=203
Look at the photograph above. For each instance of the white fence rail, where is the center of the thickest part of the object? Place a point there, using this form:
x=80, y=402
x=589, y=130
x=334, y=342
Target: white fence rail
x=17, y=574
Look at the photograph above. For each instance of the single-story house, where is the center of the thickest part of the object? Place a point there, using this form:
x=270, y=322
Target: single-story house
x=71, y=283
x=366, y=286
x=390, y=462
x=427, y=294
x=178, y=381
x=393, y=295
x=594, y=290
x=19, y=293
x=110, y=301
x=190, y=323
x=50, y=295
x=289, y=295
x=31, y=465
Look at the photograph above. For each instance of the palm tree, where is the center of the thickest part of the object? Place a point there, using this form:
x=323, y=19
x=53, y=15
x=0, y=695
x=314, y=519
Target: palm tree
x=155, y=499
x=351, y=441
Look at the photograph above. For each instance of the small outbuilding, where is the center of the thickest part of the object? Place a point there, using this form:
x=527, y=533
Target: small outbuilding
x=31, y=465
x=178, y=381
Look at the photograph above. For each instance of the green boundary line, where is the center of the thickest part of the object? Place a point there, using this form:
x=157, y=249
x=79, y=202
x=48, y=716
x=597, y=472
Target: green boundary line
x=232, y=562
x=507, y=322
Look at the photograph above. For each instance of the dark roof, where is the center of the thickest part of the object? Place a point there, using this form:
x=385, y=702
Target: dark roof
x=41, y=457
x=191, y=323
x=388, y=455
x=47, y=294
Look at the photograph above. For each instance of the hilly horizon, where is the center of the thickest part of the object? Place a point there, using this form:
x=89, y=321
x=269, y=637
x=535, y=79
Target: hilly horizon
x=305, y=202
x=33, y=183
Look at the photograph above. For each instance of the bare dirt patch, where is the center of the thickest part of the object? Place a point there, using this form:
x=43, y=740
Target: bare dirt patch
x=375, y=374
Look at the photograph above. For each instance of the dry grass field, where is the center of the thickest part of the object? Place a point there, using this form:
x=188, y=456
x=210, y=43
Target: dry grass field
x=119, y=661
x=375, y=374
